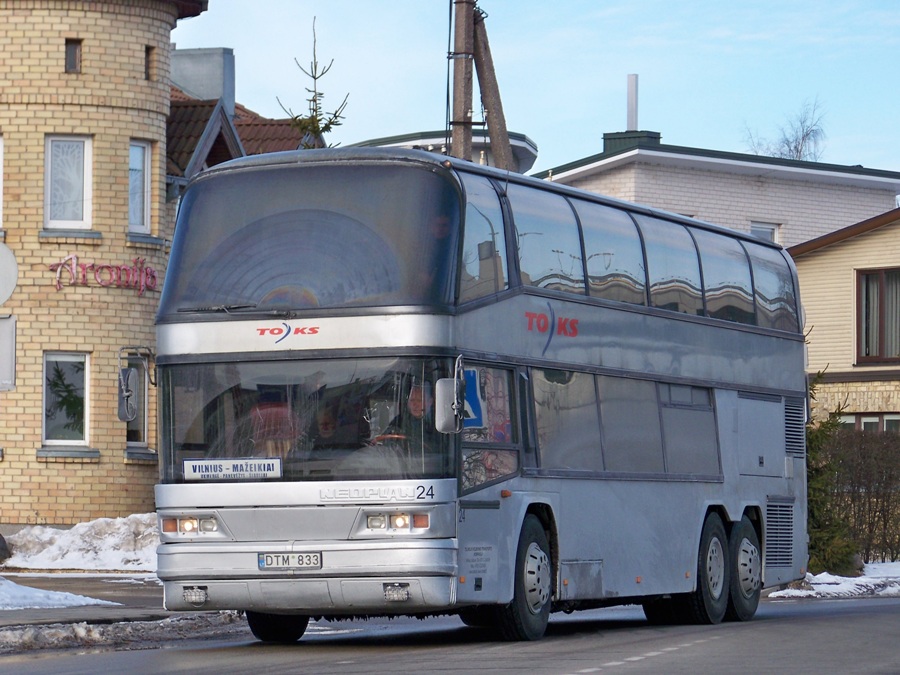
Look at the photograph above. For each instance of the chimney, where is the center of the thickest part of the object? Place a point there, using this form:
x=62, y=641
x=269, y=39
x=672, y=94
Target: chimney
x=207, y=74
x=632, y=124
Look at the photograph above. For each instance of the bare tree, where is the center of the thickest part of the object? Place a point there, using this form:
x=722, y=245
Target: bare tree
x=801, y=138
x=316, y=123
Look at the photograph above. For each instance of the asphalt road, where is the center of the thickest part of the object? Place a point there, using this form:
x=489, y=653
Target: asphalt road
x=808, y=636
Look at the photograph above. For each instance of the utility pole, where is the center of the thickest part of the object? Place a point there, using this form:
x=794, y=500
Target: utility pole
x=463, y=51
x=490, y=98
x=471, y=44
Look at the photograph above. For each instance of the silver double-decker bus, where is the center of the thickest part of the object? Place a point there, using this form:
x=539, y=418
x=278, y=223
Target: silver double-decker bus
x=395, y=383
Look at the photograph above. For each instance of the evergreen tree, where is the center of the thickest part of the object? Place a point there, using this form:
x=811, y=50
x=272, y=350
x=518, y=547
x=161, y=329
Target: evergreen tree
x=317, y=123
x=830, y=545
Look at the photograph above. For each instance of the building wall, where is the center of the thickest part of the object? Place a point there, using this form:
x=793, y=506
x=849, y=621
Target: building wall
x=111, y=102
x=828, y=287
x=856, y=398
x=804, y=210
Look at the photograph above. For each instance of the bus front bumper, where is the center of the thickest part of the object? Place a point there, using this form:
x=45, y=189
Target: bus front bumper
x=385, y=578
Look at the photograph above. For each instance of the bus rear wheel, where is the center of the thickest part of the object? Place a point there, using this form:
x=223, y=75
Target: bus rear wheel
x=281, y=628
x=746, y=572
x=708, y=603
x=526, y=617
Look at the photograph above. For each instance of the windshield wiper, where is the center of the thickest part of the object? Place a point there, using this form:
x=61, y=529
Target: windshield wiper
x=236, y=309
x=228, y=309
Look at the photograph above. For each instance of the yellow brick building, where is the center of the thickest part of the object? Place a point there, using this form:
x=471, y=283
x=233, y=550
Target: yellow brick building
x=84, y=99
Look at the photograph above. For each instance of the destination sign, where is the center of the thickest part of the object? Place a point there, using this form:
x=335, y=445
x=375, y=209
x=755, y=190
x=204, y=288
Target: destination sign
x=232, y=469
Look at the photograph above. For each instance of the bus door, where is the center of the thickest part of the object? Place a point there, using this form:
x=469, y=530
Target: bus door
x=488, y=525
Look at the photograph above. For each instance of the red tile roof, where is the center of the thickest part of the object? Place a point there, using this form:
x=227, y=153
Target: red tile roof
x=188, y=119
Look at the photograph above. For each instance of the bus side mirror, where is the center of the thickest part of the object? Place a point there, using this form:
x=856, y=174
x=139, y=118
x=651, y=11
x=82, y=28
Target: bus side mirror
x=449, y=405
x=127, y=402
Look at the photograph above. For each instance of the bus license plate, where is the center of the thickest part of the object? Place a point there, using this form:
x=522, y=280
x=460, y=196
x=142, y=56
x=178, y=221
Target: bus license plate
x=290, y=561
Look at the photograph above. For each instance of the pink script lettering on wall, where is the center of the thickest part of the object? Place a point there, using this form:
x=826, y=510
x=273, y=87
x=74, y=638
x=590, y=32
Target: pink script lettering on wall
x=136, y=276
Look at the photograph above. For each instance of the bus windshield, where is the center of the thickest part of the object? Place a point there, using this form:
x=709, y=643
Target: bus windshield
x=298, y=237
x=346, y=419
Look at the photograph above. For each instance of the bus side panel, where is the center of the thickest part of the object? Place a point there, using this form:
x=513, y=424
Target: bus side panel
x=641, y=535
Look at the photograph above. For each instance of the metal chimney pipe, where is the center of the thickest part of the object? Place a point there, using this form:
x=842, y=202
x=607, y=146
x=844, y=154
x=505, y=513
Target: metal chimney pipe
x=632, y=123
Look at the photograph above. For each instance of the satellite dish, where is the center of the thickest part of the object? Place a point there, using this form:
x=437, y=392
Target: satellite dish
x=9, y=273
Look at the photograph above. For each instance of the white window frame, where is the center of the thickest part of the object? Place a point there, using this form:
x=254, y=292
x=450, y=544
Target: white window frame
x=74, y=357
x=758, y=226
x=142, y=227
x=84, y=223
x=890, y=418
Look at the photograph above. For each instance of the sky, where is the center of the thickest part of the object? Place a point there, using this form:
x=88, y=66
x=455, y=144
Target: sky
x=128, y=545
x=709, y=71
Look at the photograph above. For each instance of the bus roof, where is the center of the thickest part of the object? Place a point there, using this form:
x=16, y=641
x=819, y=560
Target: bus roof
x=350, y=155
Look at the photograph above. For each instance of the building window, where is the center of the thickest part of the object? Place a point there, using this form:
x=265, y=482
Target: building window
x=764, y=231
x=139, y=187
x=149, y=63
x=875, y=422
x=73, y=55
x=65, y=398
x=879, y=315
x=137, y=428
x=847, y=422
x=68, y=183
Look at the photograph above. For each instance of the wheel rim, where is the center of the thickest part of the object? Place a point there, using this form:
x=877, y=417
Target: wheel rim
x=715, y=568
x=748, y=568
x=537, y=578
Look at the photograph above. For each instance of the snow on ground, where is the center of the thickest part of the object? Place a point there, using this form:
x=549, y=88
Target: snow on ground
x=129, y=545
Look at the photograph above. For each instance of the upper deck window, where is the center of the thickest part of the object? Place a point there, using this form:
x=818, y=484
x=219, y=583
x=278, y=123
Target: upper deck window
x=314, y=236
x=549, y=243
x=672, y=265
x=726, y=276
x=484, y=244
x=776, y=301
x=615, y=261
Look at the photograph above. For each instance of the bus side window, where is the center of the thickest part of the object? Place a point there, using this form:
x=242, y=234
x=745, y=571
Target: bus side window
x=726, y=277
x=567, y=420
x=774, y=288
x=615, y=259
x=547, y=239
x=673, y=266
x=629, y=414
x=483, y=270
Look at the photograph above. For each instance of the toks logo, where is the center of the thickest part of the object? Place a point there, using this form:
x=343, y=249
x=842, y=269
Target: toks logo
x=544, y=323
x=282, y=332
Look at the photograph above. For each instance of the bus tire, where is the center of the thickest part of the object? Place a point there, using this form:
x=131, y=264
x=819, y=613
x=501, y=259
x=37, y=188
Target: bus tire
x=708, y=603
x=746, y=572
x=526, y=617
x=281, y=628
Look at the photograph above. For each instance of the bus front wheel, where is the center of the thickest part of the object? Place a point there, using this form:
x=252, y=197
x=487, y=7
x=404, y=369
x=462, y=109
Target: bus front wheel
x=708, y=603
x=526, y=617
x=746, y=572
x=281, y=628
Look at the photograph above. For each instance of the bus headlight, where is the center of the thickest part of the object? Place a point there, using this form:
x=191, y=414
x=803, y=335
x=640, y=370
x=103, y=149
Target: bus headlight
x=398, y=522
x=188, y=524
